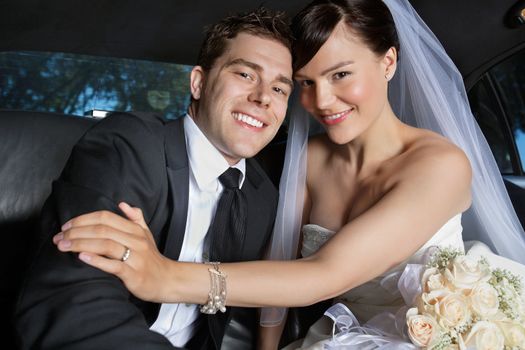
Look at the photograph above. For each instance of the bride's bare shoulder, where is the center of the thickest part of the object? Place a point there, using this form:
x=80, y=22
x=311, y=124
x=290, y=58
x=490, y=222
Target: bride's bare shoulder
x=431, y=152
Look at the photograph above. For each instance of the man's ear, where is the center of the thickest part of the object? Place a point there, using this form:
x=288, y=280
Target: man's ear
x=390, y=62
x=197, y=77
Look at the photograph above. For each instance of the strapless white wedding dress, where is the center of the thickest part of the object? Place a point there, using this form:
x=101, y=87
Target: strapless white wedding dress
x=380, y=295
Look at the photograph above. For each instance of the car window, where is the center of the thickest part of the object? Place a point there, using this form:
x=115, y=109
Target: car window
x=77, y=84
x=498, y=103
x=509, y=82
x=487, y=111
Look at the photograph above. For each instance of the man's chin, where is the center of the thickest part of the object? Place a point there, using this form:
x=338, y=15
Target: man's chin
x=248, y=152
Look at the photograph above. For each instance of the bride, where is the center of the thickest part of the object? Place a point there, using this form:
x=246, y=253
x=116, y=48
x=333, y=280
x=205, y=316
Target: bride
x=378, y=188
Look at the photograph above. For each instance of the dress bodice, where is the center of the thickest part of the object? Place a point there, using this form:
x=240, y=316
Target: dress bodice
x=379, y=300
x=380, y=294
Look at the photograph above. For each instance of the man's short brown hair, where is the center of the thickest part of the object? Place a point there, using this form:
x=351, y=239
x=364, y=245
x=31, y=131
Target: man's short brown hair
x=261, y=22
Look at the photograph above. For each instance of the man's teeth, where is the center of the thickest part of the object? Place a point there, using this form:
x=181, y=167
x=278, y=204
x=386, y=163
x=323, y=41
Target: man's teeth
x=335, y=116
x=248, y=120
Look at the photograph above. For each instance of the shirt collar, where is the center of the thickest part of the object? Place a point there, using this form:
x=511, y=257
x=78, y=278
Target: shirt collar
x=206, y=162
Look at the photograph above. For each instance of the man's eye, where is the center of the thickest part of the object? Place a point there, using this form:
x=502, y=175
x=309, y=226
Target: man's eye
x=280, y=91
x=245, y=75
x=341, y=75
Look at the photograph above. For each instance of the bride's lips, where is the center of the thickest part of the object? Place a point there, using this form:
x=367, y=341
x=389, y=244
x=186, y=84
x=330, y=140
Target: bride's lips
x=336, y=118
x=248, y=121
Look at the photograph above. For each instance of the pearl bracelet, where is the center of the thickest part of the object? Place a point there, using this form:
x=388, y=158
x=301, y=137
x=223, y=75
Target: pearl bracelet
x=217, y=295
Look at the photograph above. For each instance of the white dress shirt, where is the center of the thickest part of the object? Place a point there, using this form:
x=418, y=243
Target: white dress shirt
x=177, y=321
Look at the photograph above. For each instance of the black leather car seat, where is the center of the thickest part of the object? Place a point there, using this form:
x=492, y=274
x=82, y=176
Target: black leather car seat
x=34, y=147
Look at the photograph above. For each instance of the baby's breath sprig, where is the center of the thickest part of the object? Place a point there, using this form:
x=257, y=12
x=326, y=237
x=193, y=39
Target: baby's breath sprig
x=463, y=328
x=498, y=275
x=442, y=257
x=483, y=261
x=508, y=285
x=444, y=342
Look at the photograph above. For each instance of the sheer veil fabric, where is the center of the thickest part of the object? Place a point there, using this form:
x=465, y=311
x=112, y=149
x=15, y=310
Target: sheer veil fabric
x=427, y=91
x=287, y=227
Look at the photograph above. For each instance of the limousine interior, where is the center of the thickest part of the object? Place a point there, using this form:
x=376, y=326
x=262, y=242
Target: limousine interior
x=66, y=63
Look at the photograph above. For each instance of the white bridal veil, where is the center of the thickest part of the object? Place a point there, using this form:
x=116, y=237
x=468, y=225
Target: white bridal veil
x=427, y=91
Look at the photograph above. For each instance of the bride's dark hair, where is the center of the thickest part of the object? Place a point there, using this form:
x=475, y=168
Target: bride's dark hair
x=369, y=19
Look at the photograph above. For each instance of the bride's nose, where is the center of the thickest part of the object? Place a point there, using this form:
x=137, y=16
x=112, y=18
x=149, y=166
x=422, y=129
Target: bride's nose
x=324, y=96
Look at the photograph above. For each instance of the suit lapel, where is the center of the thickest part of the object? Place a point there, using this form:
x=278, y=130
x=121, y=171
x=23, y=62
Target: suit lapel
x=178, y=175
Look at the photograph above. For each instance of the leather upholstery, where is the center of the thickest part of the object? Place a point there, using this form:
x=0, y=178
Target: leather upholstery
x=34, y=147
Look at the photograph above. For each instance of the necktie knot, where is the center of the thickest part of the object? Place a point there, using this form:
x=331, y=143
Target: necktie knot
x=230, y=178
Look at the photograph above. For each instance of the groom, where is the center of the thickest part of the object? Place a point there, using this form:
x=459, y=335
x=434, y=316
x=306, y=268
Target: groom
x=171, y=171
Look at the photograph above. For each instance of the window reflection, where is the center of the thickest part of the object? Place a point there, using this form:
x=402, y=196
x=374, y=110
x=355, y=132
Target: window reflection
x=509, y=78
x=74, y=84
x=490, y=118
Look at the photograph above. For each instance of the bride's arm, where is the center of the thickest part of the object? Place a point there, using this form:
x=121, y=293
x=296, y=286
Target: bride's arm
x=431, y=191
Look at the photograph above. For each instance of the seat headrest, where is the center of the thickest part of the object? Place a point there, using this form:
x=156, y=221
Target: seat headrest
x=34, y=147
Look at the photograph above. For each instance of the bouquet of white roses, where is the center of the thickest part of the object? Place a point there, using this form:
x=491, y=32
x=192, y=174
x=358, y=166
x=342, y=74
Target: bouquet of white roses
x=465, y=304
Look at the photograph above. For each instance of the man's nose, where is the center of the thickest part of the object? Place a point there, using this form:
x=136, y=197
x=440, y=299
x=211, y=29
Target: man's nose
x=260, y=95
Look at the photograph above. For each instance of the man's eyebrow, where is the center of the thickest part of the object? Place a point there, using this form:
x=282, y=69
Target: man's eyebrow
x=243, y=62
x=286, y=81
x=281, y=78
x=329, y=69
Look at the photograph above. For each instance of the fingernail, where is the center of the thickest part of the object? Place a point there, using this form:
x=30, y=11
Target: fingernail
x=58, y=237
x=66, y=226
x=64, y=244
x=84, y=257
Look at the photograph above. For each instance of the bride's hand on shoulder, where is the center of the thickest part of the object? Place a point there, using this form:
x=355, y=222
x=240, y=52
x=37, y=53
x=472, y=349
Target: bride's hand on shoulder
x=124, y=247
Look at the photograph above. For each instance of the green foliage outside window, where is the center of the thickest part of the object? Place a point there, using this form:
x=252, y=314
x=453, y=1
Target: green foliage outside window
x=75, y=84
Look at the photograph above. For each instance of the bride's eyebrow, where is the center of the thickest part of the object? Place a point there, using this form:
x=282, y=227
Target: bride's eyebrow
x=327, y=70
x=337, y=66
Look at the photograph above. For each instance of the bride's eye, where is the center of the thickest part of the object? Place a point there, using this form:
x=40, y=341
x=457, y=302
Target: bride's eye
x=340, y=75
x=306, y=83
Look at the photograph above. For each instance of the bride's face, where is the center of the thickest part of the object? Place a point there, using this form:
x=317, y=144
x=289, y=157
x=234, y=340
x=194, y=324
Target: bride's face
x=345, y=85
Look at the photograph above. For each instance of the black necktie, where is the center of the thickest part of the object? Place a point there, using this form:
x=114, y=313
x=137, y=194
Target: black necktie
x=227, y=230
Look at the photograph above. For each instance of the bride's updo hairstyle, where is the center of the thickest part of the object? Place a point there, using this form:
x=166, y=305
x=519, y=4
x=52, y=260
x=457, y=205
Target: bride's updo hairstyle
x=370, y=20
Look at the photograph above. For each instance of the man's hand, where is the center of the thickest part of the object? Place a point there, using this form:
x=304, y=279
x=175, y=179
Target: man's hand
x=102, y=238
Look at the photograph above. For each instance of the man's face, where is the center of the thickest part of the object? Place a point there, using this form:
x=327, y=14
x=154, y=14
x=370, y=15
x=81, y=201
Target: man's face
x=242, y=99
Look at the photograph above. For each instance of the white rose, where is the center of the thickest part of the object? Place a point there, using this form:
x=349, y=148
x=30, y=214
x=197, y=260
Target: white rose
x=466, y=272
x=485, y=335
x=432, y=280
x=423, y=330
x=434, y=296
x=484, y=300
x=452, y=310
x=513, y=332
x=423, y=306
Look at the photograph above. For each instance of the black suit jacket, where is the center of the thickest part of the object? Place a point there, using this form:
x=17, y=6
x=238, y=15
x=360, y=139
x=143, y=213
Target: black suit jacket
x=140, y=159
